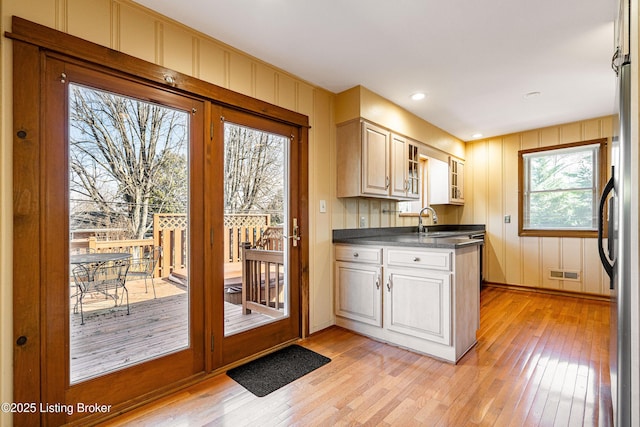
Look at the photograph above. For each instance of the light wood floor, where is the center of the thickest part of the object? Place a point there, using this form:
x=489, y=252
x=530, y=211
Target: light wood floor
x=541, y=360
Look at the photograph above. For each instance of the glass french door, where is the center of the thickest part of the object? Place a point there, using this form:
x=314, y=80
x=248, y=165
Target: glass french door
x=259, y=234
x=129, y=231
x=124, y=181
x=119, y=249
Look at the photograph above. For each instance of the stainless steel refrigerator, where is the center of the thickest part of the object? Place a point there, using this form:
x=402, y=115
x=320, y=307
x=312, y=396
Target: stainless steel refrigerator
x=615, y=205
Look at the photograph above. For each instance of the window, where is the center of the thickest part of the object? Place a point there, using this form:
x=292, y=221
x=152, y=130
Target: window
x=559, y=189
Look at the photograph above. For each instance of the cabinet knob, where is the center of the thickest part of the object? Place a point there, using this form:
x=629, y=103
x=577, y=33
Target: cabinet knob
x=416, y=259
x=356, y=255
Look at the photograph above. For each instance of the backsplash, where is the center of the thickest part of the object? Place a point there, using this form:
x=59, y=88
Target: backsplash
x=375, y=213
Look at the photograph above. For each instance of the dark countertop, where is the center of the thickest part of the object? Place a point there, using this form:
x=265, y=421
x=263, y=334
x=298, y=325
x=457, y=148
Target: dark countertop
x=436, y=236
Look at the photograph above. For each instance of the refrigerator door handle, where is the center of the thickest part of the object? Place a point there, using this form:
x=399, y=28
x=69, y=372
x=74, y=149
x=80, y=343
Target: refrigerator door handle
x=606, y=263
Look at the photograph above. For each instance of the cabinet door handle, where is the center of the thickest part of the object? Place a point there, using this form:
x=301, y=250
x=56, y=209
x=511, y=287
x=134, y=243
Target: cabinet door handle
x=387, y=181
x=389, y=284
x=378, y=282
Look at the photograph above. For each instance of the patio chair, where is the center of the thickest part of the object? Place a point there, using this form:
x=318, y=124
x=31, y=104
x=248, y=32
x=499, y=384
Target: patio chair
x=271, y=239
x=145, y=267
x=106, y=279
x=81, y=278
x=81, y=250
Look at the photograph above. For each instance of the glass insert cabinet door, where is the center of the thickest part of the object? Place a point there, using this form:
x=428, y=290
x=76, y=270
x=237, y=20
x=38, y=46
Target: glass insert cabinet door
x=128, y=192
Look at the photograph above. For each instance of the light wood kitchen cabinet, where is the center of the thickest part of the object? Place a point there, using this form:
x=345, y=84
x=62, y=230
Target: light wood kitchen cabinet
x=419, y=304
x=430, y=299
x=404, y=169
x=374, y=162
x=418, y=293
x=456, y=173
x=446, y=182
x=358, y=284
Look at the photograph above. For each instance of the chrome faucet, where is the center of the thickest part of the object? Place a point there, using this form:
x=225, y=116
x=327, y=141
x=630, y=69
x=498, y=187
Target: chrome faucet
x=434, y=217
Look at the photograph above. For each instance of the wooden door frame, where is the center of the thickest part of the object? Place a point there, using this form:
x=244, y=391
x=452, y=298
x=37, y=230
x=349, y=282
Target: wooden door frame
x=187, y=363
x=31, y=43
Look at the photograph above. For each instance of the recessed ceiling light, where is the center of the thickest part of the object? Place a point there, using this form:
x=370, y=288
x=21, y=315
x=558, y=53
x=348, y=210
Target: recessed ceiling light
x=418, y=96
x=476, y=135
x=532, y=94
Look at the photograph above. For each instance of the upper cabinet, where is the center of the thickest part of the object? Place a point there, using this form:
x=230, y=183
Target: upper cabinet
x=405, y=177
x=456, y=173
x=374, y=162
x=446, y=182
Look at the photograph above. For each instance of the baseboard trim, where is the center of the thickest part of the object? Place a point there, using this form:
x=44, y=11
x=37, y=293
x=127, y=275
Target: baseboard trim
x=558, y=292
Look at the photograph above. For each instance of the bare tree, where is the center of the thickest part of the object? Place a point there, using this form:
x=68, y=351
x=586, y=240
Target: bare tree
x=120, y=150
x=254, y=170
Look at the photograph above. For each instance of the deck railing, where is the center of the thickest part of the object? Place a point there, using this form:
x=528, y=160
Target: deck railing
x=263, y=284
x=170, y=233
x=239, y=229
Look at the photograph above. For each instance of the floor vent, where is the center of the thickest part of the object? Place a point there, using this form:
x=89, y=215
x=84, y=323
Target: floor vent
x=564, y=275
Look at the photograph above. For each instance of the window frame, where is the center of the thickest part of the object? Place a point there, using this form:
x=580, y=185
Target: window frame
x=601, y=181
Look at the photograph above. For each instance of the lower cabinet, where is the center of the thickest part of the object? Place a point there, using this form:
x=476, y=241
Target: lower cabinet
x=358, y=292
x=426, y=300
x=419, y=304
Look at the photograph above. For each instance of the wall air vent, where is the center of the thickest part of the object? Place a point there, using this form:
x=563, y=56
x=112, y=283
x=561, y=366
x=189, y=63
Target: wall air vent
x=573, y=275
x=554, y=274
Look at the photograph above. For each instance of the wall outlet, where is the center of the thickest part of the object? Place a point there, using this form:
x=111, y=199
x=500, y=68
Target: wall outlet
x=363, y=222
x=507, y=219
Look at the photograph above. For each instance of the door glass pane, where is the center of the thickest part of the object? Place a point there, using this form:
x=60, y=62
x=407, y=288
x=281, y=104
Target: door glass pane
x=128, y=231
x=255, y=226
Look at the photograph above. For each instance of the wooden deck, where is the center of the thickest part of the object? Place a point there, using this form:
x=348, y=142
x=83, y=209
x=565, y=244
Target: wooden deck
x=110, y=339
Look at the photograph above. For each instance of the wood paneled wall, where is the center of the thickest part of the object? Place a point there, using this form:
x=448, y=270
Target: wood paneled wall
x=491, y=189
x=127, y=27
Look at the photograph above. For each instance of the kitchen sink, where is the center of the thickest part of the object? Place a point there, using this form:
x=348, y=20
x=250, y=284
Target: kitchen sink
x=435, y=234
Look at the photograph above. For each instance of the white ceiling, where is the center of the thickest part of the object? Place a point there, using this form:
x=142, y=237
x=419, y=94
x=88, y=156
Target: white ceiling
x=475, y=59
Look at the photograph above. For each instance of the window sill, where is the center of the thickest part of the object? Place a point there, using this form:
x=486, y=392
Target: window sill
x=559, y=233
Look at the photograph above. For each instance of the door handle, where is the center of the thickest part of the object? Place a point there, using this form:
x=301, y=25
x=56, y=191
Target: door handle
x=296, y=233
x=606, y=262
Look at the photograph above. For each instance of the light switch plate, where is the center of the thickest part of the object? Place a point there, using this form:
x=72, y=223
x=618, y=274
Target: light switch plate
x=507, y=219
x=323, y=206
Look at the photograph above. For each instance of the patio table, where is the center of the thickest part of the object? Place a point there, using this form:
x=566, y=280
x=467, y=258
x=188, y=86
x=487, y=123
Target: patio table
x=94, y=260
x=98, y=258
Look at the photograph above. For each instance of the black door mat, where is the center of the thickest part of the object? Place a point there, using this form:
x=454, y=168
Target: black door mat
x=270, y=372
